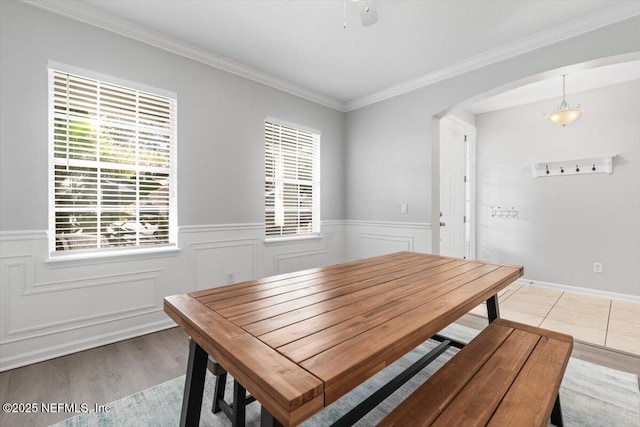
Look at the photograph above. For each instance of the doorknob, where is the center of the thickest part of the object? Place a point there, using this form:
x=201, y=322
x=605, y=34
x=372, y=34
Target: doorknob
x=442, y=224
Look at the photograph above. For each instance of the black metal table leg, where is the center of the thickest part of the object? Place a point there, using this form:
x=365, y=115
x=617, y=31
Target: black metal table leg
x=268, y=420
x=493, y=311
x=556, y=413
x=194, y=385
x=239, y=405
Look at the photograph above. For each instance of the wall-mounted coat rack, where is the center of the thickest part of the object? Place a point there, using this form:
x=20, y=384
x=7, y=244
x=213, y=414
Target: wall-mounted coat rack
x=601, y=163
x=504, y=212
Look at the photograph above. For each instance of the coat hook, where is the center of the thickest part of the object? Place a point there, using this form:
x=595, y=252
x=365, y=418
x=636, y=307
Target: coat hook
x=593, y=168
x=561, y=169
x=547, y=166
x=577, y=168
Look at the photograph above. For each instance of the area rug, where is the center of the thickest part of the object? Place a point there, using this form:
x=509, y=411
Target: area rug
x=591, y=396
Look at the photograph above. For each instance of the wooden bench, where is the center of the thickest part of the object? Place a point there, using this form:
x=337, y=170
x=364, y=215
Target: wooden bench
x=509, y=375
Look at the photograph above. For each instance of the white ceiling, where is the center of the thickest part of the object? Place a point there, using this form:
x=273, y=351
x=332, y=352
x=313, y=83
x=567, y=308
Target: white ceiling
x=301, y=46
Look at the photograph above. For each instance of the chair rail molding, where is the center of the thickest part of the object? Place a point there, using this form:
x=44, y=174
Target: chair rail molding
x=9, y=235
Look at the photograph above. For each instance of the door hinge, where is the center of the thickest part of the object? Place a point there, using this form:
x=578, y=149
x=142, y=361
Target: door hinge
x=464, y=219
x=465, y=138
x=465, y=178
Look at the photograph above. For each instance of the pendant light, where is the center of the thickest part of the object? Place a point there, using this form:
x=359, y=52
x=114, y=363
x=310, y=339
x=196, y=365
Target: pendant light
x=565, y=115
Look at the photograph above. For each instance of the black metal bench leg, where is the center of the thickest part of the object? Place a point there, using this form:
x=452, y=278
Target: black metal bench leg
x=235, y=411
x=493, y=311
x=556, y=413
x=218, y=393
x=194, y=385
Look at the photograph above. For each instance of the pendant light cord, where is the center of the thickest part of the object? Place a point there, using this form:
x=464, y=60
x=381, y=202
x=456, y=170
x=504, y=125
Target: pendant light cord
x=344, y=14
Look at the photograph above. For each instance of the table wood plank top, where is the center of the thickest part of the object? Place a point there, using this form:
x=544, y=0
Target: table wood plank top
x=301, y=340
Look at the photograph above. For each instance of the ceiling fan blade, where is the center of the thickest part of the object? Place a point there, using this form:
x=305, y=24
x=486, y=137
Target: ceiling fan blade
x=368, y=12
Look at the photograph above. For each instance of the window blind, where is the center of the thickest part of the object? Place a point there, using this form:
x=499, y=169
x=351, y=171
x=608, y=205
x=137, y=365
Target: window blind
x=292, y=180
x=112, y=165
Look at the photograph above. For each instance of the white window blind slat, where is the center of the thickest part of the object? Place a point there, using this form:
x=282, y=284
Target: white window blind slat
x=292, y=180
x=112, y=163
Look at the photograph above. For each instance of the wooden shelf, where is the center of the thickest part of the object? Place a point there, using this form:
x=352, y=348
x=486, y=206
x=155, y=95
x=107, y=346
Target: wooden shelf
x=600, y=163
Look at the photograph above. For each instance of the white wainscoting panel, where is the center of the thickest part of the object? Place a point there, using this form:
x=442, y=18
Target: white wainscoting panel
x=216, y=263
x=49, y=309
x=315, y=254
x=366, y=239
x=372, y=244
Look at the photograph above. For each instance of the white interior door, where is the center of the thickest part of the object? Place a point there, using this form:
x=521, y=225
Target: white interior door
x=452, y=188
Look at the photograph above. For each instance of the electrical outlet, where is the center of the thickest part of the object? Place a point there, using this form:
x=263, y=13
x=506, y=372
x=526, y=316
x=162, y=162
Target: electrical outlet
x=231, y=277
x=597, y=267
x=404, y=208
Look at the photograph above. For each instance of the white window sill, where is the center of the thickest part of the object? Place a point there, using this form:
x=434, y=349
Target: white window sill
x=287, y=240
x=67, y=258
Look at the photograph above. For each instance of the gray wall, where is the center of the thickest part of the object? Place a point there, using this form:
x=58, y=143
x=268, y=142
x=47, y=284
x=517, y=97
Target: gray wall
x=373, y=159
x=55, y=307
x=220, y=121
x=389, y=160
x=389, y=151
x=565, y=223
x=393, y=148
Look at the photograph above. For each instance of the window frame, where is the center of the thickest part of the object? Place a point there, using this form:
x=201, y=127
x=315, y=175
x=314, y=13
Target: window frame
x=170, y=245
x=315, y=183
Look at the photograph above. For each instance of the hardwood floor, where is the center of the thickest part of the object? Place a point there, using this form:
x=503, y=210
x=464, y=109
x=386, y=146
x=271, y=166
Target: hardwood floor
x=97, y=376
x=104, y=374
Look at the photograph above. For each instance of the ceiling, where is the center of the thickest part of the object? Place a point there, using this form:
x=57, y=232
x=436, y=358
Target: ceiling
x=576, y=81
x=302, y=46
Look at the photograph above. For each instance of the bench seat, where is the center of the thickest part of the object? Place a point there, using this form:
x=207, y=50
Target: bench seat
x=509, y=375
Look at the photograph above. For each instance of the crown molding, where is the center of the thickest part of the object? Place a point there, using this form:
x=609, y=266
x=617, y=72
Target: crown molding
x=566, y=31
x=89, y=15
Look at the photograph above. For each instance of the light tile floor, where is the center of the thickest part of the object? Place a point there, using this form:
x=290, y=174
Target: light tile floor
x=602, y=321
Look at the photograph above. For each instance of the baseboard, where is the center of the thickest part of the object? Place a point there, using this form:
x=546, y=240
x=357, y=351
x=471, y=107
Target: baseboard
x=23, y=359
x=579, y=290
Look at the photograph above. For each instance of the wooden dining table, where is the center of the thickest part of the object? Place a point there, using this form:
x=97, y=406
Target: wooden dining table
x=299, y=341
